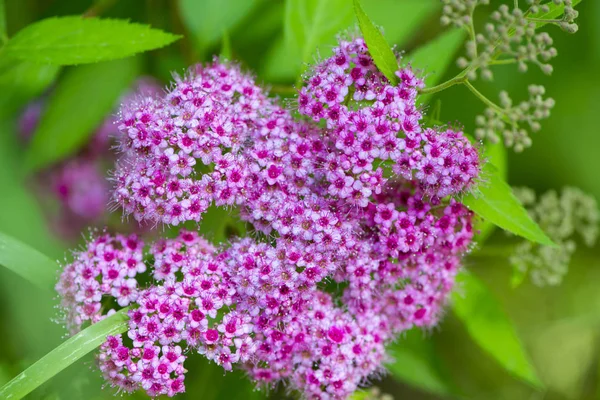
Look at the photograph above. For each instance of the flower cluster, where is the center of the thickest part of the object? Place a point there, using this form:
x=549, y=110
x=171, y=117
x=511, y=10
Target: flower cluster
x=371, y=122
x=79, y=183
x=561, y=216
x=182, y=152
x=106, y=268
x=356, y=194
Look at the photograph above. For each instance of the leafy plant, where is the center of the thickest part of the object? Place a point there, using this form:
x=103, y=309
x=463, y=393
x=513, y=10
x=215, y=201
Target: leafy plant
x=219, y=156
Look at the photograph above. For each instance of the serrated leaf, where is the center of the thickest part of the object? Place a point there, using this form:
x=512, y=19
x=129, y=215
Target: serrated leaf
x=27, y=262
x=494, y=201
x=436, y=56
x=415, y=363
x=82, y=99
x=489, y=326
x=64, y=355
x=76, y=40
x=380, y=50
x=207, y=20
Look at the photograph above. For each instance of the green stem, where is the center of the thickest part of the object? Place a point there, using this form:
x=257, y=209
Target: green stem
x=471, y=29
x=548, y=21
x=458, y=79
x=481, y=97
x=503, y=62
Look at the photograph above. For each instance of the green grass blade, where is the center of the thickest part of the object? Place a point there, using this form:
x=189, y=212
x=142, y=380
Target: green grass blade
x=27, y=262
x=63, y=356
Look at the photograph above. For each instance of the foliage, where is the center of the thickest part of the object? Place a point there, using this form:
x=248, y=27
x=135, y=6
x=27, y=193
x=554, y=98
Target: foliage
x=37, y=40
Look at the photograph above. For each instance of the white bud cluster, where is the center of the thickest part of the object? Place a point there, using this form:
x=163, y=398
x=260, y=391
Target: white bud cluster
x=459, y=12
x=509, y=121
x=561, y=216
x=511, y=35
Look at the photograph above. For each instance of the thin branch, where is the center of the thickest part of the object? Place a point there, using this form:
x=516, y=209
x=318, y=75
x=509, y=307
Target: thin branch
x=481, y=97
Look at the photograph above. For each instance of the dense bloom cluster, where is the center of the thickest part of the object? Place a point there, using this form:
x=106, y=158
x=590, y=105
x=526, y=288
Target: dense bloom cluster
x=371, y=121
x=79, y=183
x=107, y=267
x=357, y=194
x=182, y=151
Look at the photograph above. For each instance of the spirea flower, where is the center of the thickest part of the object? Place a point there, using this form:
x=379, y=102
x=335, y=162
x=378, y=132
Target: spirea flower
x=362, y=200
x=106, y=267
x=372, y=122
x=181, y=152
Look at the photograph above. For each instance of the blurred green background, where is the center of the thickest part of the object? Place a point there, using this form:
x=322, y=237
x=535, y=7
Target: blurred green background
x=559, y=326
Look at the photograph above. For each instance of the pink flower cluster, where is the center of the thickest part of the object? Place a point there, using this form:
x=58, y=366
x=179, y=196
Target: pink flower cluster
x=79, y=183
x=360, y=200
x=371, y=121
x=183, y=151
x=106, y=268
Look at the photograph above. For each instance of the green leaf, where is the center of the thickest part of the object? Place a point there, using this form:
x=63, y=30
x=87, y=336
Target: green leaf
x=209, y=382
x=21, y=81
x=310, y=24
x=496, y=155
x=414, y=14
x=415, y=363
x=27, y=262
x=494, y=201
x=76, y=40
x=436, y=56
x=207, y=20
x=490, y=328
x=20, y=213
x=3, y=35
x=82, y=100
x=284, y=60
x=64, y=355
x=219, y=224
x=380, y=50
